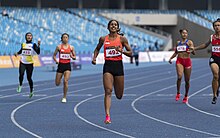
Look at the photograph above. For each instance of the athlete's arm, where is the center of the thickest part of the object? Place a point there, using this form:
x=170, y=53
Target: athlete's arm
x=203, y=46
x=73, y=53
x=19, y=52
x=191, y=47
x=36, y=48
x=97, y=49
x=174, y=54
x=124, y=42
x=55, y=53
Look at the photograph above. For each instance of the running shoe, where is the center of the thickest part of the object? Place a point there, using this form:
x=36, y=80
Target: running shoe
x=31, y=94
x=107, y=119
x=63, y=100
x=185, y=99
x=214, y=100
x=19, y=88
x=177, y=96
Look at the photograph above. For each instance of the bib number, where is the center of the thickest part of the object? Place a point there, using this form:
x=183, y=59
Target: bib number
x=26, y=52
x=181, y=48
x=112, y=53
x=65, y=56
x=215, y=48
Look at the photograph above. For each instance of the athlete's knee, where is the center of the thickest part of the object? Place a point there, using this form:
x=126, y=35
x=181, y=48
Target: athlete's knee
x=57, y=83
x=108, y=92
x=65, y=82
x=215, y=77
x=179, y=78
x=187, y=83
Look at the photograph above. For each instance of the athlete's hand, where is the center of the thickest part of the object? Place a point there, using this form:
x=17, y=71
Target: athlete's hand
x=38, y=42
x=15, y=54
x=94, y=62
x=57, y=62
x=170, y=61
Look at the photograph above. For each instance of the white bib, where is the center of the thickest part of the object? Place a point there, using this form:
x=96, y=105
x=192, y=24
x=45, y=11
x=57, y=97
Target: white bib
x=26, y=52
x=215, y=48
x=111, y=52
x=181, y=48
x=65, y=56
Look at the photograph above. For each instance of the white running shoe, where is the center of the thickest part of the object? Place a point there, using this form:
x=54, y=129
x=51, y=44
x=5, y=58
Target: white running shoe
x=63, y=100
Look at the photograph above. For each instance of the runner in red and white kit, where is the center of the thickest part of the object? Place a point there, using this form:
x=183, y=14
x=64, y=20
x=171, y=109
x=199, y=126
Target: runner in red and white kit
x=214, y=60
x=113, y=72
x=183, y=63
x=66, y=52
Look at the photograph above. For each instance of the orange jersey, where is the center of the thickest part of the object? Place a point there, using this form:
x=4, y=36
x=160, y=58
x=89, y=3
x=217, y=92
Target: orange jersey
x=109, y=49
x=215, y=45
x=64, y=54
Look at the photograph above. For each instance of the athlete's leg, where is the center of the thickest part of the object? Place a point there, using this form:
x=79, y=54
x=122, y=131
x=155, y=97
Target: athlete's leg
x=108, y=84
x=215, y=71
x=187, y=74
x=179, y=71
x=29, y=70
x=119, y=86
x=21, y=73
x=65, y=82
x=58, y=78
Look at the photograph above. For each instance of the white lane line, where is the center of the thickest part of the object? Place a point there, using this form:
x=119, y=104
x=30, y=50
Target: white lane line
x=70, y=85
x=35, y=95
x=201, y=111
x=15, y=110
x=19, y=107
x=69, y=95
x=164, y=122
x=93, y=124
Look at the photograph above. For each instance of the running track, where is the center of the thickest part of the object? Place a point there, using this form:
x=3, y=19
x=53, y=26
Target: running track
x=148, y=108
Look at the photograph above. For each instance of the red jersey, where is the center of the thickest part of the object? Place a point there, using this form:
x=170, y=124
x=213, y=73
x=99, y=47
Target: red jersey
x=64, y=54
x=109, y=49
x=215, y=45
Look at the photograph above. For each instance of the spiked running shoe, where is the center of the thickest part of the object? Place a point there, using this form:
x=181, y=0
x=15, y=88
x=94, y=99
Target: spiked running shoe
x=177, y=96
x=185, y=99
x=214, y=100
x=31, y=94
x=19, y=88
x=63, y=100
x=107, y=119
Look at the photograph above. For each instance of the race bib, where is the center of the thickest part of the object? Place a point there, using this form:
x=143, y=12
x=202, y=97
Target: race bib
x=111, y=52
x=26, y=52
x=215, y=48
x=181, y=48
x=65, y=56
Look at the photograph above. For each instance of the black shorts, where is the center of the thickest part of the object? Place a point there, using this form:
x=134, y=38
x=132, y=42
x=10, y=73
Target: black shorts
x=214, y=59
x=113, y=67
x=62, y=67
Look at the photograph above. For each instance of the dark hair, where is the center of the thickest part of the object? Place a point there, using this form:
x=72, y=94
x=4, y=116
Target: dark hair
x=218, y=20
x=63, y=35
x=117, y=24
x=181, y=30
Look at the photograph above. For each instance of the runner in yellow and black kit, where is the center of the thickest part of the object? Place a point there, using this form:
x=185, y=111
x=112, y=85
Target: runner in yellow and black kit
x=26, y=61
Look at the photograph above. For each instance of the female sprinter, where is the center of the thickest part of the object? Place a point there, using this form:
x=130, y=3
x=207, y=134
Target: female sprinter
x=66, y=51
x=183, y=63
x=113, y=72
x=26, y=61
x=214, y=60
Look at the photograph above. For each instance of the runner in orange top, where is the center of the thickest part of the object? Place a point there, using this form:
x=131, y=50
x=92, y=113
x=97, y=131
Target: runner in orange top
x=183, y=63
x=214, y=61
x=66, y=52
x=113, y=72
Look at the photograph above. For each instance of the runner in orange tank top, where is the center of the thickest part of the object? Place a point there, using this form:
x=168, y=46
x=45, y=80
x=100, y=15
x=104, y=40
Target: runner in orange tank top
x=113, y=72
x=183, y=63
x=214, y=61
x=66, y=52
